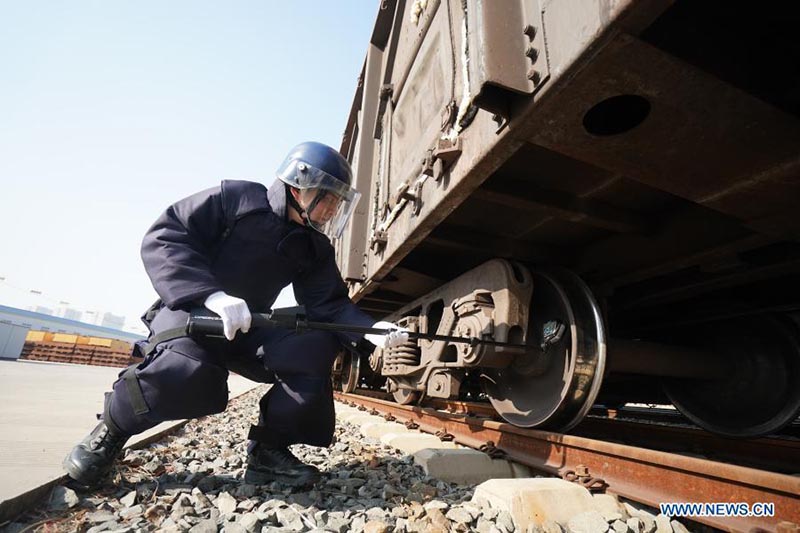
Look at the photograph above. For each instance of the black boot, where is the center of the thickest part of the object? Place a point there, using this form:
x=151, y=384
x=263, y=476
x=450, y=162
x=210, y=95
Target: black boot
x=91, y=460
x=265, y=465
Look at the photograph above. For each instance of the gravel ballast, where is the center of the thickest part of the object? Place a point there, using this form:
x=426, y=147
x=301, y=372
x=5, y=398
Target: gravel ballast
x=192, y=481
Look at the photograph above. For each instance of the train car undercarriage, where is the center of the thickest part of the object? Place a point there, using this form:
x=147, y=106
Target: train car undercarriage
x=734, y=377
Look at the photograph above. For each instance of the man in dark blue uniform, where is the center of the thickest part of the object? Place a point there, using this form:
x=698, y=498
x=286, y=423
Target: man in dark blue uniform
x=232, y=249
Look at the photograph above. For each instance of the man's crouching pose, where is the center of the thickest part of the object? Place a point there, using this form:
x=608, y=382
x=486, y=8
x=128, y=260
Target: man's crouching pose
x=232, y=249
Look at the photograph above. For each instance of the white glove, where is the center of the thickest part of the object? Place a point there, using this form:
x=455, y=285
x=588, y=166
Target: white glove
x=395, y=335
x=232, y=310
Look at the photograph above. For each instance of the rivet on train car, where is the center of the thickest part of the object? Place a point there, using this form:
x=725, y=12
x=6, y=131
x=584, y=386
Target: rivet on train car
x=535, y=76
x=530, y=31
x=532, y=53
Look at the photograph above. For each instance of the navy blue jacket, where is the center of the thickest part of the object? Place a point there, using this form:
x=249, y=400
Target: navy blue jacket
x=237, y=238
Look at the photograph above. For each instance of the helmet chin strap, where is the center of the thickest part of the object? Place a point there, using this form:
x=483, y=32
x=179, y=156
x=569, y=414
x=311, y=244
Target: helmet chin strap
x=304, y=213
x=296, y=206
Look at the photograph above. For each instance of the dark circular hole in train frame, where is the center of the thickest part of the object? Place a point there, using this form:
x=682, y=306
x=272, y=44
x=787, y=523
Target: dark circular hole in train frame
x=616, y=115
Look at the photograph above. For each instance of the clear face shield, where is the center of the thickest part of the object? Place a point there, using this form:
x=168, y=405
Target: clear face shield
x=327, y=201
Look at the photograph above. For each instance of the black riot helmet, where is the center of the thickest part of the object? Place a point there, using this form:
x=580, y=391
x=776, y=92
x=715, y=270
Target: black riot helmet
x=323, y=177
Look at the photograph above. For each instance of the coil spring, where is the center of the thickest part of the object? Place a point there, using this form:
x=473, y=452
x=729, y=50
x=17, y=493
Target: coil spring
x=405, y=354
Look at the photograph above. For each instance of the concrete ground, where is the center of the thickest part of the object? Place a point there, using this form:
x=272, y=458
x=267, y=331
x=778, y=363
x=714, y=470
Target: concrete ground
x=45, y=409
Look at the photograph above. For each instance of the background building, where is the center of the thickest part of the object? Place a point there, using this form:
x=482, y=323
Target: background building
x=71, y=314
x=110, y=320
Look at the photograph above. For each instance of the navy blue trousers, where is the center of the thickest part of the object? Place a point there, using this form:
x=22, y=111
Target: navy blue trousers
x=187, y=378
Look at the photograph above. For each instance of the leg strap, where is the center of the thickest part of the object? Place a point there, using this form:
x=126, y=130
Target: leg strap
x=135, y=391
x=166, y=335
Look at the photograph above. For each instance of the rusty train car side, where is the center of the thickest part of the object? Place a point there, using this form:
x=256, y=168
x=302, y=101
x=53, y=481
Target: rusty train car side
x=637, y=163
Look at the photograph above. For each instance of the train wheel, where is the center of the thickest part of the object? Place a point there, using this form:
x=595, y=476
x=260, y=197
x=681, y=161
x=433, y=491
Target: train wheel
x=350, y=371
x=405, y=396
x=760, y=394
x=554, y=388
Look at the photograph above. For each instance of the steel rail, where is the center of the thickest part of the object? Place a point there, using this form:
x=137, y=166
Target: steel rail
x=774, y=453
x=642, y=475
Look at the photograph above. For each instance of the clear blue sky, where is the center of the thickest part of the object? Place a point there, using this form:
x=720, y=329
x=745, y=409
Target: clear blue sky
x=112, y=110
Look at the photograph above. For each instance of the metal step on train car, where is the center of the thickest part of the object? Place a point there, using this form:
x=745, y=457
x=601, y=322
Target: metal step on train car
x=615, y=184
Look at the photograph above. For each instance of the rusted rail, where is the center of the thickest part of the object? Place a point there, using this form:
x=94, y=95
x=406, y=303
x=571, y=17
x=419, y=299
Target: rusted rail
x=776, y=454
x=773, y=453
x=647, y=476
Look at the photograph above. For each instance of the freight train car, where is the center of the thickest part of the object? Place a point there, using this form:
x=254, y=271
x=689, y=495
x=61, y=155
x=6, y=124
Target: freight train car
x=614, y=184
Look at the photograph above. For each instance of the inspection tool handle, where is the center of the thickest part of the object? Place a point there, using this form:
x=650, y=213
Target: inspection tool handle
x=205, y=323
